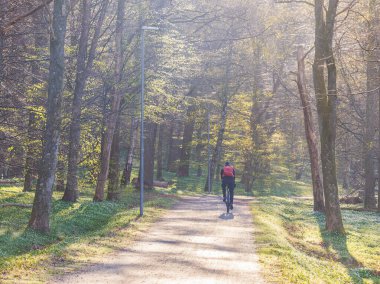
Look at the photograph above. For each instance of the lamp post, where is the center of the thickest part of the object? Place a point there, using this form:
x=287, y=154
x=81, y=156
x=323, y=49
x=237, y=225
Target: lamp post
x=143, y=29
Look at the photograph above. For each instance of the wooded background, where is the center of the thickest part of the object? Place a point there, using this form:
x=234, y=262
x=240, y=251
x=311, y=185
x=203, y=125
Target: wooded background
x=266, y=72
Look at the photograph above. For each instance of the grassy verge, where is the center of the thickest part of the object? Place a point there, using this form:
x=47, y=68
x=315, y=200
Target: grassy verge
x=294, y=247
x=194, y=185
x=80, y=232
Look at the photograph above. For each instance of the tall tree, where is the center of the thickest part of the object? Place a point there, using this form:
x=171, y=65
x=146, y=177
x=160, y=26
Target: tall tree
x=149, y=146
x=326, y=97
x=113, y=192
x=160, y=142
x=172, y=149
x=2, y=41
x=184, y=162
x=311, y=135
x=39, y=219
x=131, y=151
x=218, y=147
x=225, y=96
x=116, y=94
x=85, y=60
x=40, y=41
x=371, y=95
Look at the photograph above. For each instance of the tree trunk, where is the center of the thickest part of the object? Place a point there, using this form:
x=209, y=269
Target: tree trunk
x=218, y=168
x=161, y=133
x=255, y=164
x=184, y=163
x=60, y=176
x=113, y=193
x=246, y=177
x=2, y=41
x=133, y=142
x=223, y=119
x=30, y=149
x=311, y=135
x=149, y=146
x=219, y=141
x=326, y=107
x=39, y=219
x=378, y=152
x=346, y=175
x=198, y=152
x=116, y=94
x=370, y=122
x=173, y=147
x=2, y=44
x=71, y=192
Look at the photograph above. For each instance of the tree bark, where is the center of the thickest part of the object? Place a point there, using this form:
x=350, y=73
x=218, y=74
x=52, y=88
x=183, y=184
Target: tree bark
x=60, y=176
x=30, y=149
x=369, y=153
x=173, y=147
x=116, y=93
x=377, y=20
x=113, y=192
x=326, y=107
x=149, y=146
x=2, y=43
x=39, y=219
x=83, y=68
x=133, y=143
x=198, y=151
x=161, y=133
x=311, y=135
x=184, y=163
x=2, y=46
x=247, y=177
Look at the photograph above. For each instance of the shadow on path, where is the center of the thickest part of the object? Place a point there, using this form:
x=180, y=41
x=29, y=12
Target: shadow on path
x=226, y=216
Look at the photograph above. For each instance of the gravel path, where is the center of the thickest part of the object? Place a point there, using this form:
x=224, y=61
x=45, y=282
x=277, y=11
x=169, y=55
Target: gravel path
x=195, y=242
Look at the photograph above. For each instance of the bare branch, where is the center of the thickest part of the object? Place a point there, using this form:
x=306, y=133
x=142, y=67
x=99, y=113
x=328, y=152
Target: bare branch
x=8, y=25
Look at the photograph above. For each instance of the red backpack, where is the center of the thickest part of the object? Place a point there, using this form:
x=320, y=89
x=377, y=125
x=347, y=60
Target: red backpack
x=228, y=171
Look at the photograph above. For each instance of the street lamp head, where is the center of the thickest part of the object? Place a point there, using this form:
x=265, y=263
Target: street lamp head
x=149, y=28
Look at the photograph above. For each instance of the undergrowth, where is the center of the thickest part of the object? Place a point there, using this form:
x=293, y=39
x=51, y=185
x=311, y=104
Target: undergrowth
x=79, y=231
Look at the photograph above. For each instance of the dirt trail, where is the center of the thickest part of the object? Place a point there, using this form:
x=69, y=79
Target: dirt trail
x=195, y=242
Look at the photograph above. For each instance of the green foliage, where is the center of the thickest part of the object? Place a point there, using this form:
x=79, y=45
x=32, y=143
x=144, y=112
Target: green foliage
x=185, y=185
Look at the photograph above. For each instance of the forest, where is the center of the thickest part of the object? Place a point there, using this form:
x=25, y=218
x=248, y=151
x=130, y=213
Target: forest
x=108, y=105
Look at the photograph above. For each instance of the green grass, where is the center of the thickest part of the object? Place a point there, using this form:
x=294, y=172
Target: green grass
x=295, y=248
x=292, y=243
x=193, y=185
x=79, y=232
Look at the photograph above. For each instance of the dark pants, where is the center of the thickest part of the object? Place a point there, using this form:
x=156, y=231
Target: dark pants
x=230, y=182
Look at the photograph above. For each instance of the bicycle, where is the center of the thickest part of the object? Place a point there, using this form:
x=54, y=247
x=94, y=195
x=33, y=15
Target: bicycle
x=228, y=199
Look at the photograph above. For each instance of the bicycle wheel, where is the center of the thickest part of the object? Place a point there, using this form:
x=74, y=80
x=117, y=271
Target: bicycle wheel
x=228, y=199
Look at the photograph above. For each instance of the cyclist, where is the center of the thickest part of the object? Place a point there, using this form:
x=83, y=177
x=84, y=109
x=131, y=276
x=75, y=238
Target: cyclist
x=227, y=175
